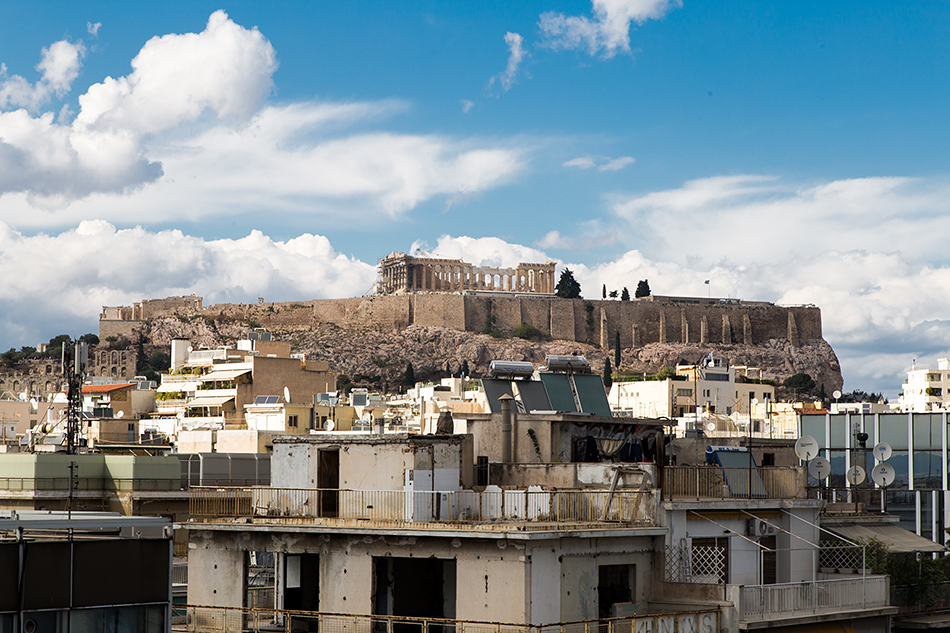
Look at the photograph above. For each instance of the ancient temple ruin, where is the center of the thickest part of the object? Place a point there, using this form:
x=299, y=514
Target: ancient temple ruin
x=400, y=273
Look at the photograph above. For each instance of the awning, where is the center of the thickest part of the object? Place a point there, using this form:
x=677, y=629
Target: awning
x=895, y=537
x=173, y=387
x=210, y=401
x=223, y=374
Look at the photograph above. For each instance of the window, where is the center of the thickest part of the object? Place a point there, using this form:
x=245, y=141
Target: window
x=292, y=421
x=684, y=392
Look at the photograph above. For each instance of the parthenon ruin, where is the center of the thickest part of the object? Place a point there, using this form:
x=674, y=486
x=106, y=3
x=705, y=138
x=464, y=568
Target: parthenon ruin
x=400, y=273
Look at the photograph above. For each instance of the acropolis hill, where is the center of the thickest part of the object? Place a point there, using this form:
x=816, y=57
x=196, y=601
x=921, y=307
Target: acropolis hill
x=430, y=327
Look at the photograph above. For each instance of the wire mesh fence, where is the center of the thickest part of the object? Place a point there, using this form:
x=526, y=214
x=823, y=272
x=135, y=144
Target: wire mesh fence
x=199, y=619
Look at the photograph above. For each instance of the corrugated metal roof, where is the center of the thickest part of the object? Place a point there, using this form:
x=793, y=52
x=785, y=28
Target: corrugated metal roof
x=895, y=537
x=223, y=374
x=106, y=388
x=209, y=401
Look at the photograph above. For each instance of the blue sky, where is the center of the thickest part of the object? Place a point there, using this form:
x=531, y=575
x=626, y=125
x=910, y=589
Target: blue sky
x=789, y=152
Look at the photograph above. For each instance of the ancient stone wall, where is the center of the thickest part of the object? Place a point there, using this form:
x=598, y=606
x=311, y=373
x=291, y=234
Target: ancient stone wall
x=638, y=322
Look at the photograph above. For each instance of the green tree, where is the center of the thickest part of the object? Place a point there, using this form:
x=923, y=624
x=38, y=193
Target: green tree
x=625, y=295
x=410, y=375
x=604, y=291
x=529, y=332
x=89, y=339
x=608, y=374
x=799, y=382
x=465, y=368
x=617, y=349
x=567, y=287
x=643, y=289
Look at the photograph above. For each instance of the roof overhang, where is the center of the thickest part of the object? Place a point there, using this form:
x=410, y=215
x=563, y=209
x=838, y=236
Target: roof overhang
x=895, y=537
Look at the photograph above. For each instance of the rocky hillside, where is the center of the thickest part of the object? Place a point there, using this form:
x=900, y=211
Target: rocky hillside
x=378, y=359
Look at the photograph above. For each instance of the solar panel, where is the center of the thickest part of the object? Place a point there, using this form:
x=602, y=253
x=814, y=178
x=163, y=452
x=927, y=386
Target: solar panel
x=558, y=387
x=273, y=399
x=590, y=391
x=740, y=473
x=533, y=395
x=260, y=400
x=266, y=399
x=495, y=389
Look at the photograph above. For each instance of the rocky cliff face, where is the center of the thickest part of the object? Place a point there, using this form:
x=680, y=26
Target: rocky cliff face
x=380, y=359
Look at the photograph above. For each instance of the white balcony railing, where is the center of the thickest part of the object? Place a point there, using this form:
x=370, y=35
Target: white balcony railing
x=768, y=602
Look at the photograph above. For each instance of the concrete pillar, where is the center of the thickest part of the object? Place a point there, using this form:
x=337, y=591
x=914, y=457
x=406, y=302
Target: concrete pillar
x=505, y=428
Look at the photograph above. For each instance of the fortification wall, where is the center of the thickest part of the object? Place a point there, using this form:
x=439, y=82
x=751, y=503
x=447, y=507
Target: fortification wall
x=594, y=322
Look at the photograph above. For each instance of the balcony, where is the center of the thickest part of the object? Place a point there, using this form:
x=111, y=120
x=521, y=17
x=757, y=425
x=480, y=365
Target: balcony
x=758, y=603
x=716, y=482
x=465, y=508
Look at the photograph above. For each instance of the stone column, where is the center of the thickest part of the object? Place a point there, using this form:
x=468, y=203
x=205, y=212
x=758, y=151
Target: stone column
x=604, y=343
x=746, y=329
x=634, y=337
x=662, y=327
x=704, y=330
x=684, y=326
x=726, y=330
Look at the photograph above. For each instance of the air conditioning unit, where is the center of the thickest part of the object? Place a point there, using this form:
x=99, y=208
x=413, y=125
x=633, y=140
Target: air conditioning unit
x=758, y=527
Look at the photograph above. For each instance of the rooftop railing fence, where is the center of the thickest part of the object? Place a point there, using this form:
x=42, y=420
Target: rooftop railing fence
x=716, y=482
x=637, y=508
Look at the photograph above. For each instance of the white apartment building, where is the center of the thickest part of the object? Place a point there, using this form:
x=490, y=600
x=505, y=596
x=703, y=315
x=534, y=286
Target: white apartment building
x=927, y=389
x=710, y=386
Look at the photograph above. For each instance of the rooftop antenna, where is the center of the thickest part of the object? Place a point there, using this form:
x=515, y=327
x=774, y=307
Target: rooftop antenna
x=75, y=361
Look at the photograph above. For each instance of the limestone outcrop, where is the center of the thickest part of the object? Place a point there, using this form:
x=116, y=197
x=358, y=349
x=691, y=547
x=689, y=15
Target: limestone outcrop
x=379, y=359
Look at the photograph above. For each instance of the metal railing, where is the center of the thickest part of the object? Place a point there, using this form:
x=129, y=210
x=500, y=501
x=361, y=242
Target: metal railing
x=198, y=619
x=92, y=484
x=465, y=506
x=716, y=482
x=767, y=602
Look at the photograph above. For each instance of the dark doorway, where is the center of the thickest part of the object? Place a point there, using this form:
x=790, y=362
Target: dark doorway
x=328, y=480
x=302, y=587
x=615, y=584
x=415, y=588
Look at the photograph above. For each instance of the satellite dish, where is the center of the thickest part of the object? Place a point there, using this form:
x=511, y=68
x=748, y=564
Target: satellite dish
x=836, y=394
x=855, y=475
x=755, y=401
x=806, y=448
x=882, y=451
x=190, y=349
x=819, y=468
x=286, y=395
x=711, y=427
x=329, y=425
x=883, y=475
x=120, y=414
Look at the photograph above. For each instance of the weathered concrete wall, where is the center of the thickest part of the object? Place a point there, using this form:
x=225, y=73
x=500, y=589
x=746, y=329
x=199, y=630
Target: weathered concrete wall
x=496, y=579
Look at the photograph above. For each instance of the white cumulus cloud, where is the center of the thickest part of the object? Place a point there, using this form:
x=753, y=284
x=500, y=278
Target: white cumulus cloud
x=607, y=32
x=59, y=66
x=59, y=282
x=188, y=134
